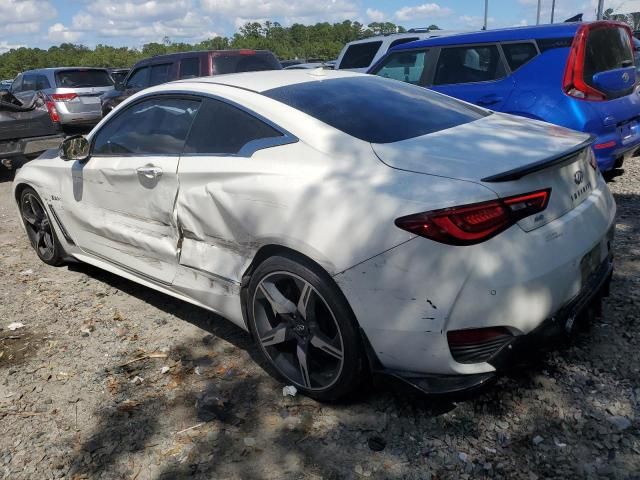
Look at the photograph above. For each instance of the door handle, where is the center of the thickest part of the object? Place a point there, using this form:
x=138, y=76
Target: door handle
x=151, y=173
x=489, y=100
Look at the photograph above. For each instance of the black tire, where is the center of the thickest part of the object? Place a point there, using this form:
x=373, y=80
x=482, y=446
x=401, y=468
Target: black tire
x=39, y=228
x=333, y=352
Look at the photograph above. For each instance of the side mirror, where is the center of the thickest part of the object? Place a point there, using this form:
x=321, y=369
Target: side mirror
x=119, y=85
x=74, y=148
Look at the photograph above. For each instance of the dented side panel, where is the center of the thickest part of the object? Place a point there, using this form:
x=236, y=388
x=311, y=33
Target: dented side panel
x=117, y=213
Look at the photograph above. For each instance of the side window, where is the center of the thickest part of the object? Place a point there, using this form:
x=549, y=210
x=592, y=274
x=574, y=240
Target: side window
x=221, y=128
x=189, y=67
x=400, y=41
x=468, y=65
x=518, y=54
x=158, y=126
x=406, y=66
x=42, y=82
x=16, y=86
x=139, y=78
x=29, y=83
x=159, y=74
x=360, y=55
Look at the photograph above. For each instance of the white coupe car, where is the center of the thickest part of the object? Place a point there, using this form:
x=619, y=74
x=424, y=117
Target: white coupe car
x=352, y=224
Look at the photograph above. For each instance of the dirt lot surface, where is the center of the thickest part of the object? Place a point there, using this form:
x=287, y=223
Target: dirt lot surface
x=107, y=379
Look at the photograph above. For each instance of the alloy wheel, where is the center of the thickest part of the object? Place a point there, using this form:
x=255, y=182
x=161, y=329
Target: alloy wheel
x=298, y=331
x=38, y=226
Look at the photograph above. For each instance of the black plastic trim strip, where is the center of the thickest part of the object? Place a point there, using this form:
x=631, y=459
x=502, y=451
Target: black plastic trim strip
x=556, y=160
x=65, y=234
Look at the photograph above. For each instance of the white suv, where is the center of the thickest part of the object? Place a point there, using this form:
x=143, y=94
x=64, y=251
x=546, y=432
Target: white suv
x=358, y=56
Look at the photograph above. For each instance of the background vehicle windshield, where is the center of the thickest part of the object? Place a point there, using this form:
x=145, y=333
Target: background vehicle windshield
x=83, y=78
x=376, y=110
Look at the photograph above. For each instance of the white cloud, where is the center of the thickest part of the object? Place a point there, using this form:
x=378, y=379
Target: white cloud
x=25, y=11
x=24, y=16
x=5, y=46
x=138, y=9
x=192, y=25
x=472, y=22
x=286, y=11
x=375, y=15
x=422, y=12
x=58, y=33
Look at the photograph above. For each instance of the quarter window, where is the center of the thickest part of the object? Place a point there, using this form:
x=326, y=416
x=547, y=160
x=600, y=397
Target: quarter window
x=360, y=55
x=406, y=66
x=139, y=78
x=190, y=68
x=518, y=54
x=158, y=126
x=42, y=83
x=221, y=128
x=159, y=74
x=468, y=65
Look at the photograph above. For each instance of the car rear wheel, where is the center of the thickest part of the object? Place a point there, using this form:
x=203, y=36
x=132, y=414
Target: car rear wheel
x=39, y=228
x=304, y=327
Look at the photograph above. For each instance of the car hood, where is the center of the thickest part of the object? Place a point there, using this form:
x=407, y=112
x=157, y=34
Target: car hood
x=480, y=149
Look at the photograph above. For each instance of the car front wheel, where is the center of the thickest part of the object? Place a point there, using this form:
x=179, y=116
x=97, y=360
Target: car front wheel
x=39, y=228
x=304, y=327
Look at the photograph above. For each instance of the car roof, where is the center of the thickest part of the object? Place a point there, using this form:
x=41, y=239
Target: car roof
x=394, y=36
x=268, y=79
x=61, y=69
x=191, y=53
x=556, y=30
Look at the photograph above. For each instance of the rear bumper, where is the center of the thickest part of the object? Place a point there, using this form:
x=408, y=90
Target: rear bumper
x=29, y=146
x=522, y=349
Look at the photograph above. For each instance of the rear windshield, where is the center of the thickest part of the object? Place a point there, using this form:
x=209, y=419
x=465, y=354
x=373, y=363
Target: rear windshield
x=83, y=78
x=607, y=49
x=375, y=109
x=360, y=55
x=240, y=62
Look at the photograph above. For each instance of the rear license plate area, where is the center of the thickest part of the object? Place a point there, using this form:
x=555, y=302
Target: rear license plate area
x=628, y=131
x=589, y=264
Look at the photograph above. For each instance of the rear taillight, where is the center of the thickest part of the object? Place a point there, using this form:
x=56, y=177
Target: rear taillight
x=573, y=82
x=53, y=112
x=475, y=223
x=63, y=97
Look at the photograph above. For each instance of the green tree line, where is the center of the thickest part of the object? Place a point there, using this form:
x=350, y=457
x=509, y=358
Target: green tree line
x=322, y=40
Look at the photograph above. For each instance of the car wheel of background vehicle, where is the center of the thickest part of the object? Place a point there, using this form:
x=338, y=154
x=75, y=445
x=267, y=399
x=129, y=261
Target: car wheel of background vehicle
x=304, y=327
x=39, y=229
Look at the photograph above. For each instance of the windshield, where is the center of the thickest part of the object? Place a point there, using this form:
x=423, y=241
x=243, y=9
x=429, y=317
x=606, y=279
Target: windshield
x=375, y=109
x=83, y=78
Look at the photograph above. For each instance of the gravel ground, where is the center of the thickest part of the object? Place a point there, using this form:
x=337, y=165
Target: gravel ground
x=108, y=379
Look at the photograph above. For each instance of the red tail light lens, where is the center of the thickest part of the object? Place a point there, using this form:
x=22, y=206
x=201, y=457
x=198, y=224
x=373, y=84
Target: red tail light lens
x=53, y=113
x=63, y=97
x=475, y=223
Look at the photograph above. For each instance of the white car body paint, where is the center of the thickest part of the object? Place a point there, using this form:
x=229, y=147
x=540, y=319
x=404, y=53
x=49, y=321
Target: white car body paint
x=334, y=198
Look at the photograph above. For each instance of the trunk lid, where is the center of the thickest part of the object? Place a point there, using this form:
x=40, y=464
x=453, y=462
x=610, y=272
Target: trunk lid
x=508, y=155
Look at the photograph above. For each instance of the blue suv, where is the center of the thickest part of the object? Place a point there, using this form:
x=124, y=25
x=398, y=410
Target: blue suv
x=578, y=75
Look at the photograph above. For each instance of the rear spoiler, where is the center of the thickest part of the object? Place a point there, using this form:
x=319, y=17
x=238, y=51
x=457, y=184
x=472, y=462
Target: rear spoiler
x=557, y=160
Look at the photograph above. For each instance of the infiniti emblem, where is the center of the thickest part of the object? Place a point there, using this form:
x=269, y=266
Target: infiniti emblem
x=578, y=177
x=625, y=77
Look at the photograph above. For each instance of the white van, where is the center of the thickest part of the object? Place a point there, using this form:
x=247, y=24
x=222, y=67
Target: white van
x=358, y=56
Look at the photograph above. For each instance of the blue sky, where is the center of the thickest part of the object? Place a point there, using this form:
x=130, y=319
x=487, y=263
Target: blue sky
x=132, y=23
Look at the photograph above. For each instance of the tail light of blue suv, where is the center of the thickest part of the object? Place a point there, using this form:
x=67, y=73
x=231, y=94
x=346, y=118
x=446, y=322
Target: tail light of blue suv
x=474, y=223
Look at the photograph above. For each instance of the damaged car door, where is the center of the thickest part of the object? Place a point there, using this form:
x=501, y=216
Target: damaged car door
x=124, y=195
x=220, y=180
